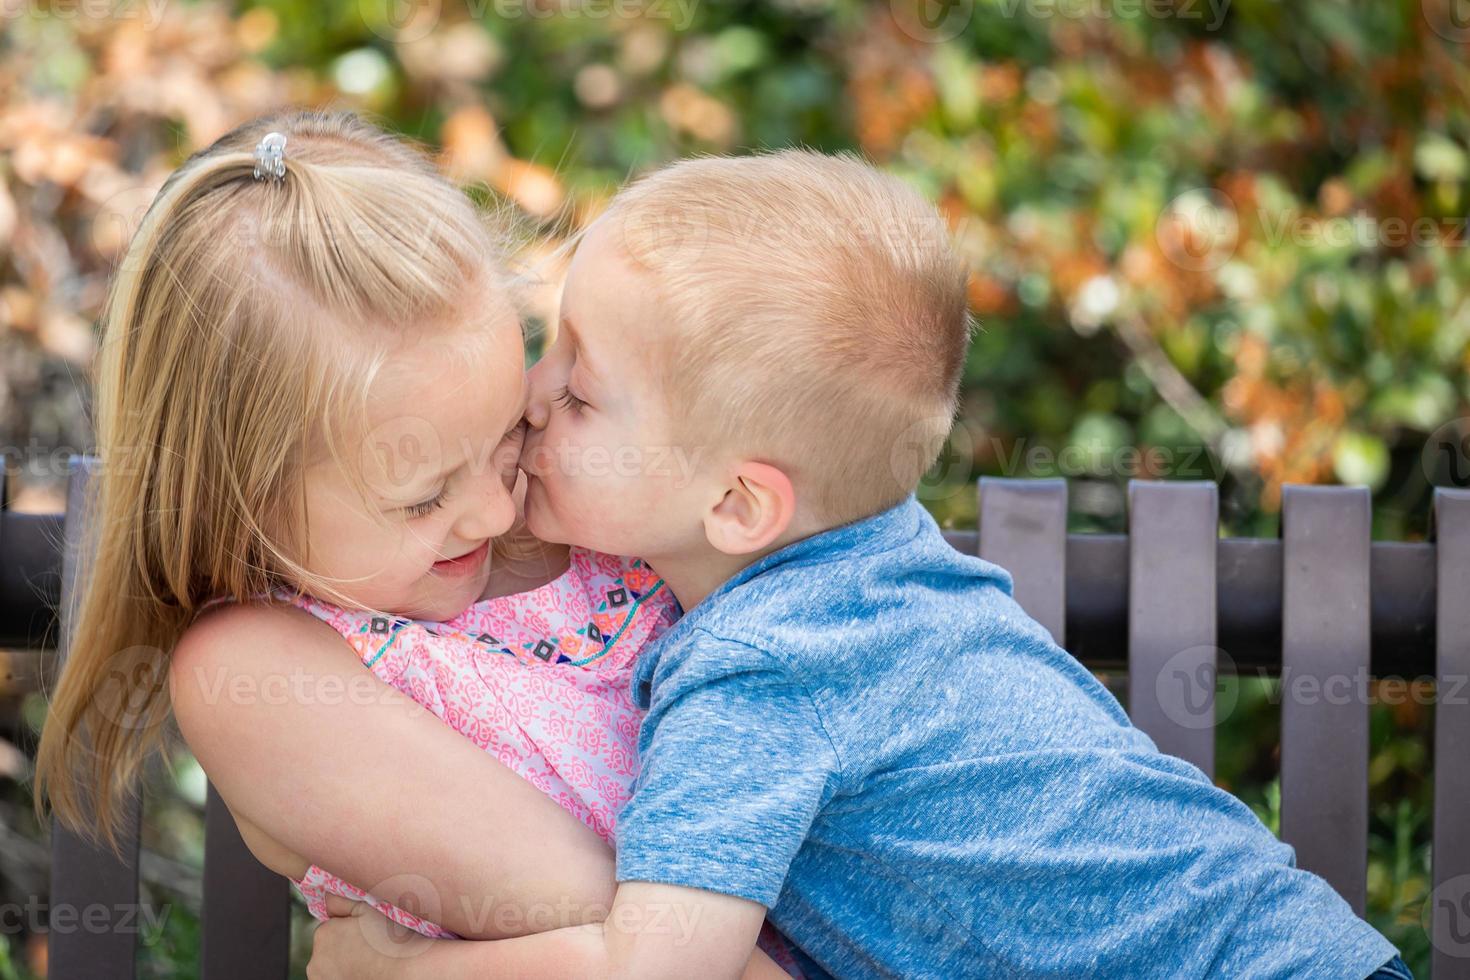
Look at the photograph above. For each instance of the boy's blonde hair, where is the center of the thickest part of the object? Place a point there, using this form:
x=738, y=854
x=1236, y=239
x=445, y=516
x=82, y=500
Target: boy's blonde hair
x=820, y=318
x=245, y=323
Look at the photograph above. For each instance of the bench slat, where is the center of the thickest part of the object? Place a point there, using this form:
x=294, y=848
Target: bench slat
x=1023, y=529
x=1324, y=710
x=1171, y=616
x=1450, y=910
x=247, y=907
x=83, y=876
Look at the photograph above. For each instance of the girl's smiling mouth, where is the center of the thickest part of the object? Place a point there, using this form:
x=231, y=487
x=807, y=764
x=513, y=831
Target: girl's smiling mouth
x=465, y=563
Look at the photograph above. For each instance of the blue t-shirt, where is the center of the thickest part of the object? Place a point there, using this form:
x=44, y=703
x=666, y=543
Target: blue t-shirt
x=865, y=733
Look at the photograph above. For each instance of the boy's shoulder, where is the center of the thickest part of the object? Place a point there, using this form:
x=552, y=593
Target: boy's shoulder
x=807, y=608
x=896, y=563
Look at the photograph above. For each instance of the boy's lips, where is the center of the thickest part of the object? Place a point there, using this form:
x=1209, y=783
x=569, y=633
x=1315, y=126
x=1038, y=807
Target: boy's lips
x=465, y=563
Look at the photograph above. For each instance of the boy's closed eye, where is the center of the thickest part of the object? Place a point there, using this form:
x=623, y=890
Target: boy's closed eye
x=569, y=401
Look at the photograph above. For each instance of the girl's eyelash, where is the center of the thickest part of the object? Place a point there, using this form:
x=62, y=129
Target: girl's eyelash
x=569, y=400
x=428, y=506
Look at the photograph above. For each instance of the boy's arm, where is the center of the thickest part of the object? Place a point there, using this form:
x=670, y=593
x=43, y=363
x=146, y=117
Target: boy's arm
x=735, y=765
x=313, y=752
x=653, y=931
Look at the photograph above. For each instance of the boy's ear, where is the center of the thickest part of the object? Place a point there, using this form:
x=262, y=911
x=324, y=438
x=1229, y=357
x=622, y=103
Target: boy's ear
x=757, y=509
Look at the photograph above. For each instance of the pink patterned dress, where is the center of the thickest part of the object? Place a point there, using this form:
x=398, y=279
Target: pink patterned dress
x=541, y=679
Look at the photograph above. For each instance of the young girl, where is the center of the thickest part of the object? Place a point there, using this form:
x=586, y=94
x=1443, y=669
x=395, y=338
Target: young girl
x=309, y=398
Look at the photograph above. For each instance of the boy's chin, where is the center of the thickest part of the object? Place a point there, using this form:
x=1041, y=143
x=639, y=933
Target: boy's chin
x=536, y=515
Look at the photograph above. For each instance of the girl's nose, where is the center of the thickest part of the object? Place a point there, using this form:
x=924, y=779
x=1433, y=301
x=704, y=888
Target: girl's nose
x=491, y=514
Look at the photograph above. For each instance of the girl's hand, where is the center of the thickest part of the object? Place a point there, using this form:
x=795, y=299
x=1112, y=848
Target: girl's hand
x=363, y=945
x=340, y=905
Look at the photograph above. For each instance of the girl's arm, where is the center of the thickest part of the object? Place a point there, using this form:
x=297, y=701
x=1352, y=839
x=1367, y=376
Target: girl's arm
x=364, y=945
x=316, y=756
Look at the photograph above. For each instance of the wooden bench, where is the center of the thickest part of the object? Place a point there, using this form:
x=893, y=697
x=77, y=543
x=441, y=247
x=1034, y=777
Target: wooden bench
x=1322, y=603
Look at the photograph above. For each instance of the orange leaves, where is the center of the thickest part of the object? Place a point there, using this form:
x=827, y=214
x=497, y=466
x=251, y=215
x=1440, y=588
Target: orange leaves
x=473, y=151
x=58, y=331
x=454, y=56
x=534, y=187
x=1000, y=83
x=43, y=144
x=689, y=110
x=888, y=104
x=471, y=147
x=1293, y=421
x=256, y=29
x=889, y=84
x=989, y=296
x=95, y=112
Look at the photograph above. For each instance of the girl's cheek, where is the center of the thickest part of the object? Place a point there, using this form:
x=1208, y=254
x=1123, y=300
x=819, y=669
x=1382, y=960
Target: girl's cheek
x=416, y=541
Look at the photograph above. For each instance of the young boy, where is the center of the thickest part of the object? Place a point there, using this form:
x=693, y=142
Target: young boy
x=855, y=726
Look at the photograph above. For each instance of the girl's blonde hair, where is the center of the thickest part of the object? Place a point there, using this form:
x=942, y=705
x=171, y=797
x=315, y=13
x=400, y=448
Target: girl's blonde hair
x=247, y=319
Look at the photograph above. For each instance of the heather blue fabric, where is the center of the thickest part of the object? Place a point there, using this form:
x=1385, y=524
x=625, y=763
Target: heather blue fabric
x=865, y=733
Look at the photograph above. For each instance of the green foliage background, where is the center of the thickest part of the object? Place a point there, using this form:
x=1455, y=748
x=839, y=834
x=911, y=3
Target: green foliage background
x=1215, y=241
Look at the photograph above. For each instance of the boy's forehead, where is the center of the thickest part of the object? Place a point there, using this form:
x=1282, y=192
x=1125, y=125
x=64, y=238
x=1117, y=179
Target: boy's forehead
x=612, y=302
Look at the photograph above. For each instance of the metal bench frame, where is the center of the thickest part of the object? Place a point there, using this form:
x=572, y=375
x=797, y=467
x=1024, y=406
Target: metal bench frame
x=1321, y=605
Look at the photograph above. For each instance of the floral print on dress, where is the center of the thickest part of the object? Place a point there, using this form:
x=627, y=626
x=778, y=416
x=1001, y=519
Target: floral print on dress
x=540, y=679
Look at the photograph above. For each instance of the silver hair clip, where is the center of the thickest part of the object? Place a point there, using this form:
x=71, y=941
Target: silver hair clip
x=270, y=157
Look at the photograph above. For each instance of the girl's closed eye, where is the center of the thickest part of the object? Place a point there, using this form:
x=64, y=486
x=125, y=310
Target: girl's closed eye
x=428, y=506
x=569, y=401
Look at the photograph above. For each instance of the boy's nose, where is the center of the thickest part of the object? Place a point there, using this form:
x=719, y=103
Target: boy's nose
x=538, y=405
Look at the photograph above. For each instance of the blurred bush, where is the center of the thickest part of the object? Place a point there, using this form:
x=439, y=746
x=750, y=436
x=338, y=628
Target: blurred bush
x=1217, y=239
